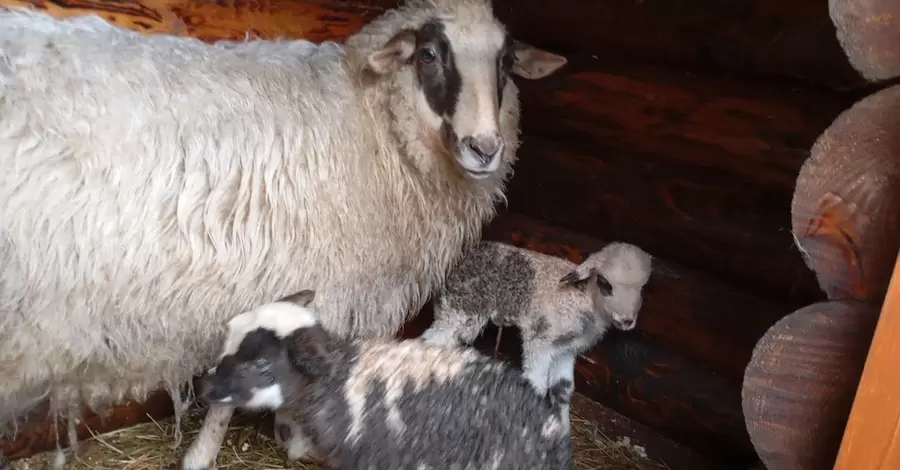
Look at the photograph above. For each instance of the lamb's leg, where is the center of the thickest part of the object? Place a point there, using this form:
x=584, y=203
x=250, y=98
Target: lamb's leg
x=453, y=327
x=561, y=382
x=289, y=436
x=205, y=448
x=536, y=364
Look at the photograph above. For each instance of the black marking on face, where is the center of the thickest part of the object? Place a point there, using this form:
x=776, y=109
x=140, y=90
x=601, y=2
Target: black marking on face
x=436, y=68
x=604, y=285
x=505, y=61
x=251, y=366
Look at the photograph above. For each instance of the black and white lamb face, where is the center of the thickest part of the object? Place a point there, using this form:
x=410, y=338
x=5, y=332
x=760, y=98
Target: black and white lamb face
x=255, y=360
x=462, y=58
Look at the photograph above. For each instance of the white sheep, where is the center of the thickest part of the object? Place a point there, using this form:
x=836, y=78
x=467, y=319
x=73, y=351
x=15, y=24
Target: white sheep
x=561, y=309
x=366, y=404
x=155, y=185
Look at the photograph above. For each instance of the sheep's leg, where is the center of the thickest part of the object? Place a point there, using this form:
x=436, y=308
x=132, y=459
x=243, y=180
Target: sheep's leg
x=536, y=364
x=289, y=436
x=454, y=327
x=561, y=382
x=205, y=448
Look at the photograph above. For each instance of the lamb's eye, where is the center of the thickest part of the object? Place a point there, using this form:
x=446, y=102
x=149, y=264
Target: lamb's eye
x=427, y=55
x=604, y=285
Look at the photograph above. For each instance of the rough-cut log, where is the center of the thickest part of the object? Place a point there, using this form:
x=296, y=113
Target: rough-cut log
x=799, y=386
x=846, y=207
x=870, y=438
x=698, y=170
x=38, y=433
x=869, y=33
x=214, y=20
x=751, y=37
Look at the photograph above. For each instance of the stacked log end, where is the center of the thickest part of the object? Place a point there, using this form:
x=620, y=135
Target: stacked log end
x=869, y=33
x=801, y=380
x=846, y=207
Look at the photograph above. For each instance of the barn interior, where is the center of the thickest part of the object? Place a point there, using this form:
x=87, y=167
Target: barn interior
x=693, y=130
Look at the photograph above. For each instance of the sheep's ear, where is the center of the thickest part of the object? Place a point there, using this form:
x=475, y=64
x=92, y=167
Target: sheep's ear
x=394, y=53
x=533, y=63
x=308, y=351
x=302, y=298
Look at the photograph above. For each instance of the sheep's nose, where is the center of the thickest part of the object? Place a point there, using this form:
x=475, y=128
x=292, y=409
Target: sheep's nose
x=627, y=323
x=486, y=147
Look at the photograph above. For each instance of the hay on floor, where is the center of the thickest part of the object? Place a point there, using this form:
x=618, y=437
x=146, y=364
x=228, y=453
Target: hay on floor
x=149, y=446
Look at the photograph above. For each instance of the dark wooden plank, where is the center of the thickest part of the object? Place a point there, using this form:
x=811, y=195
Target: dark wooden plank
x=869, y=33
x=699, y=170
x=38, y=434
x=679, y=371
x=697, y=317
x=799, y=386
x=763, y=39
x=846, y=207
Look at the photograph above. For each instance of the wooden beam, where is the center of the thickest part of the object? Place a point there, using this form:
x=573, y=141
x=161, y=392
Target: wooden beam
x=699, y=170
x=766, y=39
x=679, y=371
x=871, y=439
x=799, y=385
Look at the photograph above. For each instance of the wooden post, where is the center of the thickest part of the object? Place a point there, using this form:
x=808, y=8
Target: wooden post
x=872, y=436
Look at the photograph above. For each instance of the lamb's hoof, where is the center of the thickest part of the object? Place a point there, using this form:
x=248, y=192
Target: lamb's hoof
x=193, y=461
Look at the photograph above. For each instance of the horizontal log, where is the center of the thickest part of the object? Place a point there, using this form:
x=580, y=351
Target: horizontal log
x=38, y=433
x=846, y=207
x=679, y=372
x=800, y=384
x=869, y=33
x=700, y=171
x=768, y=38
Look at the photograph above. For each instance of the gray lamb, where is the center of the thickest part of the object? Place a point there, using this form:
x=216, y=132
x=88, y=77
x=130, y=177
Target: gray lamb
x=562, y=309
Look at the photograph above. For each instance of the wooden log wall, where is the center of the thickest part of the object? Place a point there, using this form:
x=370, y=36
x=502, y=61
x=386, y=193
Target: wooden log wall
x=686, y=141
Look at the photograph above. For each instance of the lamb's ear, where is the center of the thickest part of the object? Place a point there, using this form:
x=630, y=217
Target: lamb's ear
x=302, y=298
x=659, y=268
x=308, y=350
x=533, y=63
x=394, y=53
x=576, y=276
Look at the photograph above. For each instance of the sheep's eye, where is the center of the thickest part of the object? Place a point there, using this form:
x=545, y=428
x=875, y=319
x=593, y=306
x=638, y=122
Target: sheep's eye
x=604, y=285
x=427, y=55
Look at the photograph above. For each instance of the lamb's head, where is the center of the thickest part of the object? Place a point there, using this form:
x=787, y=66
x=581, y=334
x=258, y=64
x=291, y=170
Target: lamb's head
x=264, y=350
x=615, y=277
x=457, y=58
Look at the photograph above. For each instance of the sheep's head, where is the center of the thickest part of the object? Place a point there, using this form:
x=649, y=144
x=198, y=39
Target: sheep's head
x=460, y=58
x=263, y=350
x=615, y=277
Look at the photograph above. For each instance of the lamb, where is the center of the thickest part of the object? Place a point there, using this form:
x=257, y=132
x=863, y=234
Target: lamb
x=156, y=185
x=560, y=308
x=384, y=404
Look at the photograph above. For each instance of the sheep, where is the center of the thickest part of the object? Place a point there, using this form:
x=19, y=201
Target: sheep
x=154, y=185
x=377, y=403
x=560, y=308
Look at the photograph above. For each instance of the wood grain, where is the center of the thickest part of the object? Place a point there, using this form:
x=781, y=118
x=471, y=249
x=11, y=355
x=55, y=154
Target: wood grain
x=699, y=170
x=679, y=371
x=799, y=385
x=846, y=206
x=871, y=439
x=869, y=33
